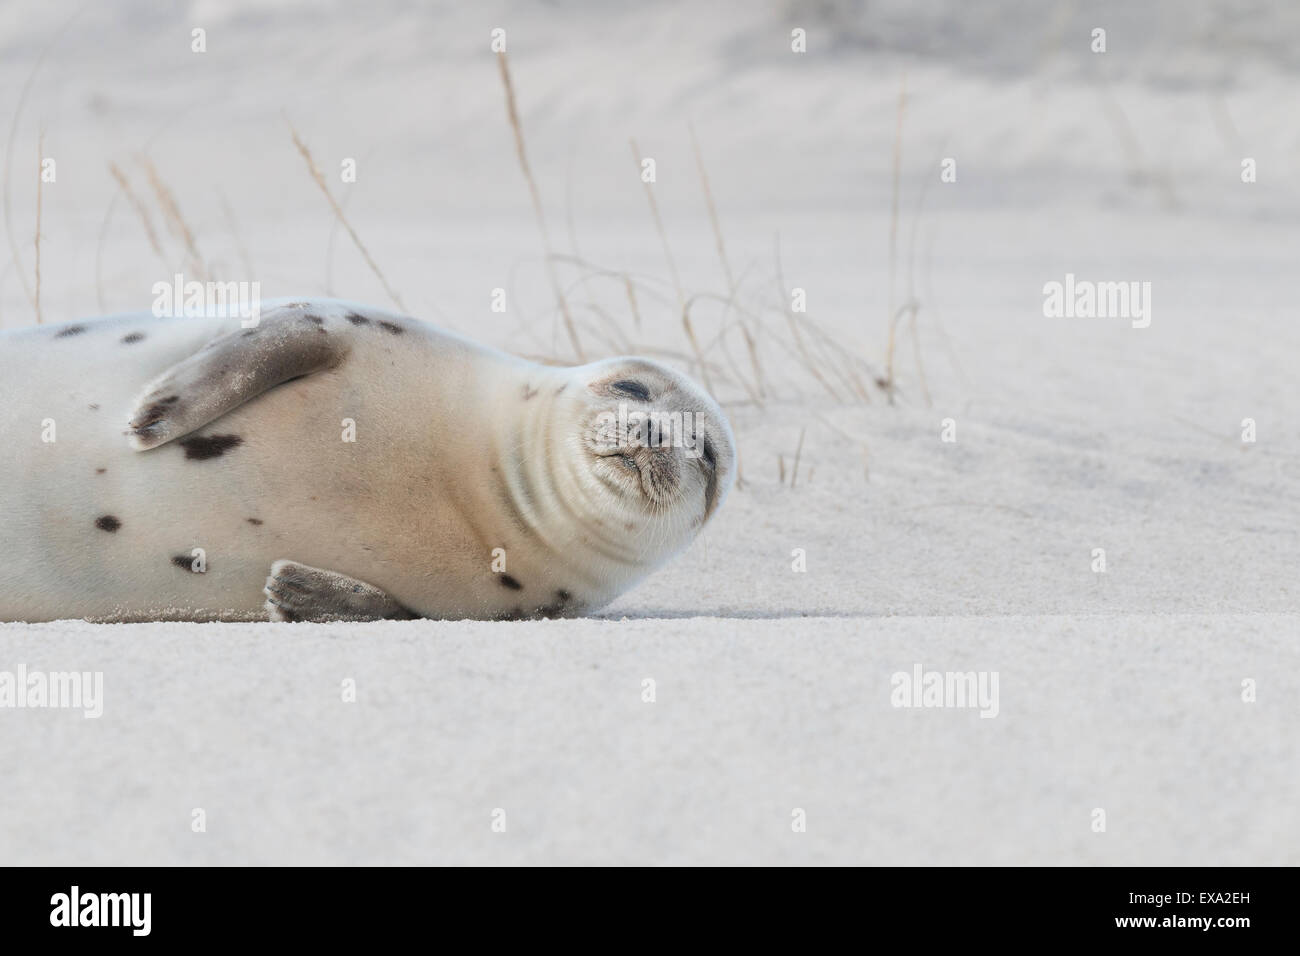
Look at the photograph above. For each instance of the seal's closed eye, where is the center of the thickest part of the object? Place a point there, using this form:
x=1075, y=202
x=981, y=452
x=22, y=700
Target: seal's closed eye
x=631, y=389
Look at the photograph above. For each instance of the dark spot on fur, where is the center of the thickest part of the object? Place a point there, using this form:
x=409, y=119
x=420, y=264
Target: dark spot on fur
x=314, y=318
x=203, y=447
x=511, y=583
x=133, y=338
x=556, y=607
x=100, y=471
x=516, y=615
x=356, y=319
x=391, y=327
x=184, y=561
x=70, y=330
x=529, y=391
x=561, y=388
x=93, y=407
x=288, y=616
x=107, y=523
x=256, y=521
x=171, y=400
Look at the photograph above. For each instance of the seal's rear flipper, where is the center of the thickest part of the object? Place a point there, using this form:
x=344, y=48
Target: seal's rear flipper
x=296, y=592
x=235, y=368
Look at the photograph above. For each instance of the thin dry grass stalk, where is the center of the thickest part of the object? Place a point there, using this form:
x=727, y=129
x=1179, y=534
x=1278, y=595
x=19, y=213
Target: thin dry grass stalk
x=682, y=306
x=713, y=212
x=794, y=472
x=13, y=136
x=727, y=274
x=788, y=312
x=175, y=220
x=319, y=178
x=659, y=227
x=835, y=357
x=893, y=239
x=513, y=112
x=913, y=304
x=631, y=301
x=40, y=191
x=610, y=320
x=139, y=208
x=695, y=346
x=333, y=241
x=720, y=340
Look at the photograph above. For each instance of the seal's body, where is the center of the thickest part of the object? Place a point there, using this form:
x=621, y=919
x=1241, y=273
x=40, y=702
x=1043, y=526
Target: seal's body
x=372, y=465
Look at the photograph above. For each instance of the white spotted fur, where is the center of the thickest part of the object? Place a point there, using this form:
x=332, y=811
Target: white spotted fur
x=410, y=507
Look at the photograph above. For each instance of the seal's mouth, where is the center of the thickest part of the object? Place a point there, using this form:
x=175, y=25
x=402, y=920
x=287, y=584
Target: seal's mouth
x=655, y=475
x=623, y=466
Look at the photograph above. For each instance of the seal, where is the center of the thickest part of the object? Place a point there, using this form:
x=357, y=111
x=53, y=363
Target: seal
x=336, y=462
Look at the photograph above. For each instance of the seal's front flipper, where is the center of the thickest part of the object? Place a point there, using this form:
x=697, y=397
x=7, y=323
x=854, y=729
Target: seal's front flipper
x=235, y=368
x=296, y=592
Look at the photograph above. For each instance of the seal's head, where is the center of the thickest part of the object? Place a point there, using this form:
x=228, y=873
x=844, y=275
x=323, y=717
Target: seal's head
x=612, y=468
x=655, y=447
